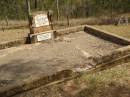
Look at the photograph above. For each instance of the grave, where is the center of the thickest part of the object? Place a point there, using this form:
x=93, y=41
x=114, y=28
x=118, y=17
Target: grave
x=123, y=20
x=76, y=50
x=40, y=27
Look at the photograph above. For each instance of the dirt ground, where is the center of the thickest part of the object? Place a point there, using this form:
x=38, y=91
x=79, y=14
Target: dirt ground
x=19, y=33
x=71, y=51
x=113, y=82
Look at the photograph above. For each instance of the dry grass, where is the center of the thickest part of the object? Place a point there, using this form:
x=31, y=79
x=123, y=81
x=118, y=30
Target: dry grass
x=13, y=34
x=3, y=23
x=15, y=30
x=114, y=82
x=18, y=29
x=122, y=30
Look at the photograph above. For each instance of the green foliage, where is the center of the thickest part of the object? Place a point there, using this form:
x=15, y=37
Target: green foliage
x=16, y=9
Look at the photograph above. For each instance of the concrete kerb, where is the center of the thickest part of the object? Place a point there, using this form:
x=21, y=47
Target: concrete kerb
x=66, y=74
x=14, y=43
x=106, y=35
x=26, y=40
x=20, y=87
x=69, y=30
x=116, y=55
x=89, y=29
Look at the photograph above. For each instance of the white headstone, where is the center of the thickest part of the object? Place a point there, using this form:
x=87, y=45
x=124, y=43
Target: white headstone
x=44, y=36
x=41, y=20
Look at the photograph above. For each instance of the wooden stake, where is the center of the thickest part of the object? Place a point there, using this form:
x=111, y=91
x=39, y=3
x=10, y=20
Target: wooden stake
x=68, y=20
x=7, y=22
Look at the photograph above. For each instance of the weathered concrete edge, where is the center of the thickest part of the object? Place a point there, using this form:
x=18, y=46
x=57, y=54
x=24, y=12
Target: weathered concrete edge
x=21, y=87
x=38, y=81
x=14, y=43
x=26, y=40
x=69, y=30
x=89, y=29
x=106, y=35
x=115, y=56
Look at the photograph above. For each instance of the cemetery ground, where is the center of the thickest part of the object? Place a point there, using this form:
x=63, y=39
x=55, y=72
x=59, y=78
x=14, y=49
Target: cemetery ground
x=19, y=29
x=114, y=82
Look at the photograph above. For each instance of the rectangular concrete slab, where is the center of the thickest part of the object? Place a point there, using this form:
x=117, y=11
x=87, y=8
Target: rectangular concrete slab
x=29, y=62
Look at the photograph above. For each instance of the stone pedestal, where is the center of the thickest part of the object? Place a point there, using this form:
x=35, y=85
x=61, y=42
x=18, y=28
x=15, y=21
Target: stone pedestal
x=40, y=29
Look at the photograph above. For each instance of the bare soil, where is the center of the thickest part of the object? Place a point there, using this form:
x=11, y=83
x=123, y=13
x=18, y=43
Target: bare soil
x=71, y=51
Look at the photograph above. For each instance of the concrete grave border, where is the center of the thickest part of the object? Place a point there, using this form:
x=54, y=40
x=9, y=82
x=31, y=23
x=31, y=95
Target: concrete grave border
x=106, y=35
x=89, y=29
x=117, y=56
x=26, y=40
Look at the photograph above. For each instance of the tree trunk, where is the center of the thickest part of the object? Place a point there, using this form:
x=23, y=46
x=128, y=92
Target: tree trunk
x=28, y=8
x=84, y=8
x=58, y=12
x=111, y=9
x=35, y=4
x=28, y=13
x=16, y=8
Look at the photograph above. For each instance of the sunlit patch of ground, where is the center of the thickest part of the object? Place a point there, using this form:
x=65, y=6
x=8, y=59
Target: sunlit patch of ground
x=121, y=30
